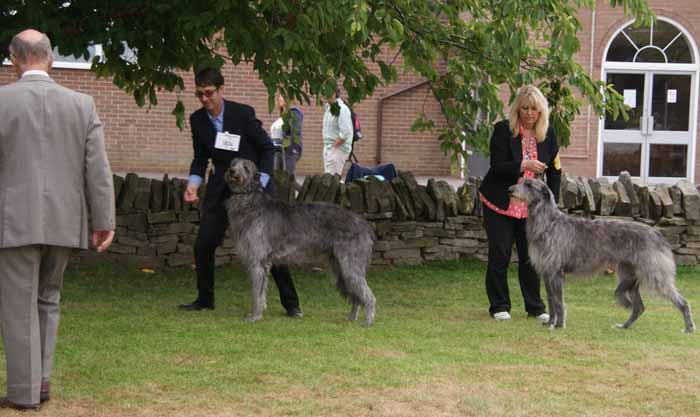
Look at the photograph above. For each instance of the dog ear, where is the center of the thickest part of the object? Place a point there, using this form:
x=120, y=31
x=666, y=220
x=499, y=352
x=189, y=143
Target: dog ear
x=544, y=191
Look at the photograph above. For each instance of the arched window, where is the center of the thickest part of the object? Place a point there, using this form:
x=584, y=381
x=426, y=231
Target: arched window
x=660, y=43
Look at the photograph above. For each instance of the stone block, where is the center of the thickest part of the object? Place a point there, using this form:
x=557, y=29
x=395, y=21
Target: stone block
x=167, y=189
x=465, y=243
x=608, y=199
x=656, y=208
x=402, y=253
x=164, y=239
x=135, y=222
x=467, y=195
x=690, y=200
x=623, y=207
x=179, y=259
x=595, y=184
x=666, y=201
x=156, y=195
x=404, y=195
x=677, y=198
x=161, y=217
x=142, y=200
x=128, y=241
x=189, y=216
x=356, y=197
x=328, y=186
x=444, y=197
x=184, y=248
x=165, y=248
x=118, y=182
x=146, y=251
x=127, y=194
x=569, y=192
x=626, y=180
x=304, y=188
x=121, y=249
x=284, y=185
x=588, y=201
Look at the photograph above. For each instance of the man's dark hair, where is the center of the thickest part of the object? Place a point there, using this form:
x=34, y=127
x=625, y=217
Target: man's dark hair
x=209, y=77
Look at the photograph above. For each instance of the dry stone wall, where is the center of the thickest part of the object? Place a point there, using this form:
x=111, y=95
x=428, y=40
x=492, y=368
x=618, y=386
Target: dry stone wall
x=414, y=223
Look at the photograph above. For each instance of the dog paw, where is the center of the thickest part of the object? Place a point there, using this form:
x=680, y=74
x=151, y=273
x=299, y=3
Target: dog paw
x=689, y=330
x=251, y=318
x=619, y=326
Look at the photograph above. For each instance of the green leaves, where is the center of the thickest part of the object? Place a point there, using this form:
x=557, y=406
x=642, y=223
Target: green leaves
x=467, y=49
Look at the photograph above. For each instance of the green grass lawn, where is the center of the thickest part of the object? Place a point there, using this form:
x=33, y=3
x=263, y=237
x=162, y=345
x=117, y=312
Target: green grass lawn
x=125, y=350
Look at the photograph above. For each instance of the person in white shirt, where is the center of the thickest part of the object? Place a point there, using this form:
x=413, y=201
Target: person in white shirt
x=337, y=135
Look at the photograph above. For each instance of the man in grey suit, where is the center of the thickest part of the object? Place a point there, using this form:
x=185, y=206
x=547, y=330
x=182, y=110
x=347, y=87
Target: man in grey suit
x=53, y=172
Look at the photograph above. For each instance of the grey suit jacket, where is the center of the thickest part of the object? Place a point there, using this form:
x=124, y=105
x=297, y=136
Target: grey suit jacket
x=53, y=166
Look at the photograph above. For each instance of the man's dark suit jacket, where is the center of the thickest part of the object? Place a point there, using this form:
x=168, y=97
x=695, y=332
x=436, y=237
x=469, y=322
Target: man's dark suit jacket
x=506, y=157
x=255, y=145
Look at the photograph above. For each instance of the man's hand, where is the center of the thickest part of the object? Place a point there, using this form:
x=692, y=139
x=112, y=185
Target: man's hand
x=338, y=143
x=190, y=195
x=101, y=239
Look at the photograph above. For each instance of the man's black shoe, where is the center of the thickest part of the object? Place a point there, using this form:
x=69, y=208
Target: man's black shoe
x=295, y=312
x=196, y=306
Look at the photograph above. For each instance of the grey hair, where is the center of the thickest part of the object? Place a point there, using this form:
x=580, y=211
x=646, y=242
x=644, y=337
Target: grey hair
x=31, y=52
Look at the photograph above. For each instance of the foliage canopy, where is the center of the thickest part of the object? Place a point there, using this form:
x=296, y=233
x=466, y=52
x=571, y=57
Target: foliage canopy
x=467, y=49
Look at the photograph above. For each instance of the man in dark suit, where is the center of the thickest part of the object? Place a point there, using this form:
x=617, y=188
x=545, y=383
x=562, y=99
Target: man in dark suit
x=223, y=130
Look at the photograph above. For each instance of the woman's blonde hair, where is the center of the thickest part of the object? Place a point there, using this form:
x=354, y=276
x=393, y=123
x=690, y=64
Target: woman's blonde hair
x=531, y=96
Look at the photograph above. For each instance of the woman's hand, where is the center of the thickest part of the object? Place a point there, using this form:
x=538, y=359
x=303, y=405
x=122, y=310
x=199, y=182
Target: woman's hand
x=533, y=165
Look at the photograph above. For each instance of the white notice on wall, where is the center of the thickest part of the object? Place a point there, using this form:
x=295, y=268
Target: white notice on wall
x=671, y=96
x=630, y=98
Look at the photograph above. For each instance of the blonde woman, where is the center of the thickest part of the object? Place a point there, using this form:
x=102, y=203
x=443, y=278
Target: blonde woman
x=522, y=147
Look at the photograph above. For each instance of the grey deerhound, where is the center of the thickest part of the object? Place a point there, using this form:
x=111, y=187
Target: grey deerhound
x=267, y=231
x=559, y=244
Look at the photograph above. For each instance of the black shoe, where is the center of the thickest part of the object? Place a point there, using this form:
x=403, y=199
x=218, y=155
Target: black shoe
x=45, y=393
x=295, y=312
x=196, y=306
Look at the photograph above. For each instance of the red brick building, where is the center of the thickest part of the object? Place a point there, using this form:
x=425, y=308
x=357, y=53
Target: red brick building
x=655, y=68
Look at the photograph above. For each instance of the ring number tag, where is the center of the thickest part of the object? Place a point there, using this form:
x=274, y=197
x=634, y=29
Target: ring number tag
x=227, y=141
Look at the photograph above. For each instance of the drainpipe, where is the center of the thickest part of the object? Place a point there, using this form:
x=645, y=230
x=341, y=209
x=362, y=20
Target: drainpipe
x=590, y=73
x=378, y=152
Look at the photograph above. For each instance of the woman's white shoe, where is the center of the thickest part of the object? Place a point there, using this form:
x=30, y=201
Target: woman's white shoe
x=504, y=315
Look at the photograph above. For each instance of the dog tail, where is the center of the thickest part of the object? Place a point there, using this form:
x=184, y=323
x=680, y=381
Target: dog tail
x=658, y=275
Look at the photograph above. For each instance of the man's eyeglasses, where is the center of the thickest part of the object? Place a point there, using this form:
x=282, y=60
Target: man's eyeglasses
x=207, y=93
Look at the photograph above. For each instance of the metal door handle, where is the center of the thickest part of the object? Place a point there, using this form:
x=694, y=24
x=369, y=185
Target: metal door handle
x=650, y=125
x=643, y=125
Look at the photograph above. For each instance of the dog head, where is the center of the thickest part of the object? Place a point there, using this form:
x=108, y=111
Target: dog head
x=532, y=191
x=242, y=176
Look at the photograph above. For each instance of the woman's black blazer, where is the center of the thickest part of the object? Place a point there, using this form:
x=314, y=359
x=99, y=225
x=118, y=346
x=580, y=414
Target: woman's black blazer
x=506, y=156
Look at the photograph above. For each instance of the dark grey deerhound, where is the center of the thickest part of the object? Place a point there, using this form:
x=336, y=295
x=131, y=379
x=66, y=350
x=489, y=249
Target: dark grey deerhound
x=268, y=231
x=559, y=244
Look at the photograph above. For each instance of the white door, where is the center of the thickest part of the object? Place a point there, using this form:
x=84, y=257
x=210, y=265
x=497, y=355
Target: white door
x=654, y=144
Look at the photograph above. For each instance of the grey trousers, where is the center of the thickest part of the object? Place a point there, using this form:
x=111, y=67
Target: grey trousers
x=30, y=282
